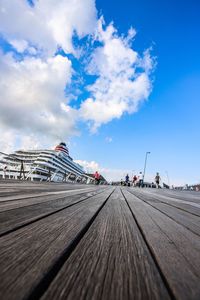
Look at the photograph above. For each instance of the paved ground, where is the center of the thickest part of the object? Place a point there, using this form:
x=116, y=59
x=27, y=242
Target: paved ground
x=68, y=241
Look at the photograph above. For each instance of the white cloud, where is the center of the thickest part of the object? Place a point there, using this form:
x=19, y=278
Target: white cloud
x=19, y=45
x=22, y=46
x=6, y=141
x=46, y=25
x=89, y=166
x=108, y=173
x=108, y=139
x=11, y=139
x=120, y=87
x=33, y=78
x=32, y=95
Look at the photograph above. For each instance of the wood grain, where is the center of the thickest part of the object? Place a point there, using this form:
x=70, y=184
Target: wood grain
x=176, y=249
x=28, y=254
x=184, y=205
x=111, y=261
x=185, y=218
x=24, y=201
x=72, y=241
x=13, y=219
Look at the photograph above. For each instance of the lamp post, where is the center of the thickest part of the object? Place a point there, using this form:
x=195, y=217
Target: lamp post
x=145, y=163
x=168, y=178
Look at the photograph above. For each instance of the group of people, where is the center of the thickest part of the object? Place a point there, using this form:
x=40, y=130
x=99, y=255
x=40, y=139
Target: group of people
x=138, y=180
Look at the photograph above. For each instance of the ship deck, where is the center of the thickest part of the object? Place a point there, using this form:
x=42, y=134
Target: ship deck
x=65, y=241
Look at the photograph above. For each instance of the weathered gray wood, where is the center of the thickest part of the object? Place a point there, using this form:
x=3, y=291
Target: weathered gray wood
x=30, y=257
x=185, y=218
x=178, y=197
x=110, y=262
x=25, y=200
x=182, y=195
x=28, y=254
x=36, y=191
x=176, y=249
x=188, y=206
x=13, y=219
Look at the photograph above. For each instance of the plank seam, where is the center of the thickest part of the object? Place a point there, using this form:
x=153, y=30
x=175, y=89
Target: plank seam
x=37, y=203
x=147, y=202
x=172, y=205
x=171, y=294
x=38, y=196
x=46, y=215
x=168, y=237
x=45, y=282
x=175, y=196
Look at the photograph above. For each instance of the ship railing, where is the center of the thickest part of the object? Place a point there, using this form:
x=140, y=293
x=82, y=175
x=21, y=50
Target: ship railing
x=21, y=161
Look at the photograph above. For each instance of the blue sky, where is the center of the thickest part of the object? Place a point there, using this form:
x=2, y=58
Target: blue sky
x=166, y=122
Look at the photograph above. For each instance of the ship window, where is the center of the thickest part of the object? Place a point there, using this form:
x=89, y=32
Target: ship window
x=36, y=179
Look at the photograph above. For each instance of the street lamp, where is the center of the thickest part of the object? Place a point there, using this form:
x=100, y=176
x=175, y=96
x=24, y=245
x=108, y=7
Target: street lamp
x=145, y=163
x=168, y=178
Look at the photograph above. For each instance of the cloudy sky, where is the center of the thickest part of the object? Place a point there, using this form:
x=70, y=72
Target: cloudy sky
x=113, y=80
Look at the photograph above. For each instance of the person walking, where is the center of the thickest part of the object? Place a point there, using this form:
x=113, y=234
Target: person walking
x=97, y=177
x=157, y=180
x=140, y=180
x=127, y=179
x=134, y=180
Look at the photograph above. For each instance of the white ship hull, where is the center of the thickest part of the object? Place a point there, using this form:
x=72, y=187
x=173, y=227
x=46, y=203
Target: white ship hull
x=42, y=165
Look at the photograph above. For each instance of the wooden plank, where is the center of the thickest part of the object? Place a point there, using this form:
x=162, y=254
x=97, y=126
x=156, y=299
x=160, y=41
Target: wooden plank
x=30, y=253
x=35, y=192
x=175, y=248
x=24, y=201
x=14, y=188
x=111, y=261
x=188, y=206
x=13, y=219
x=188, y=220
x=182, y=195
x=179, y=197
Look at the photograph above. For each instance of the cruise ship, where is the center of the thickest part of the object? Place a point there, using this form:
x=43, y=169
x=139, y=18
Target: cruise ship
x=42, y=165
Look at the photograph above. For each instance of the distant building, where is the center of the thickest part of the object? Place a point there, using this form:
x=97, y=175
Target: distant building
x=187, y=187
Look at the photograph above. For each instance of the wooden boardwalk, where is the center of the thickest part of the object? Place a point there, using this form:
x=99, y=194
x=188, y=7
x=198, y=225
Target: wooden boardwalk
x=62, y=241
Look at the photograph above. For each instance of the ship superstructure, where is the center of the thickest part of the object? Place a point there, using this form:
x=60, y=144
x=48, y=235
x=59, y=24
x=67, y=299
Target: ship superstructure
x=42, y=165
